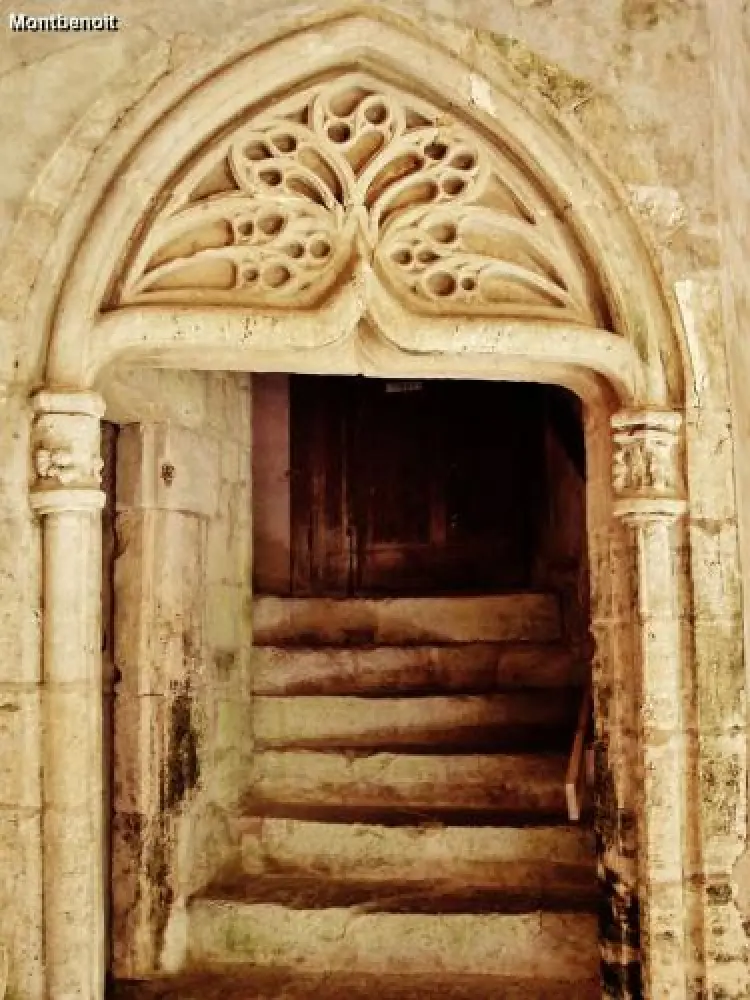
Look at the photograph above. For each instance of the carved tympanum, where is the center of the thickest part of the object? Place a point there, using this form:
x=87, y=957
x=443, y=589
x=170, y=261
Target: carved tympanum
x=275, y=213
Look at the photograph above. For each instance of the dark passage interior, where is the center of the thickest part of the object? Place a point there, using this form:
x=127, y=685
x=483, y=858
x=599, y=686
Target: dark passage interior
x=415, y=487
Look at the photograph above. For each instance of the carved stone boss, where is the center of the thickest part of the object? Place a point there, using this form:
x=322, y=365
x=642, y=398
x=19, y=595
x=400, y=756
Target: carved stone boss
x=647, y=472
x=66, y=451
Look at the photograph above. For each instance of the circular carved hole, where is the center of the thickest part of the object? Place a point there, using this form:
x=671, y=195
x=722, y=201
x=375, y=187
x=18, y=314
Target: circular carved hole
x=464, y=161
x=257, y=151
x=436, y=150
x=344, y=102
x=319, y=249
x=246, y=228
x=271, y=224
x=276, y=275
x=441, y=284
x=271, y=177
x=376, y=114
x=444, y=233
x=402, y=256
x=468, y=283
x=453, y=185
x=339, y=132
x=285, y=143
x=426, y=256
x=295, y=250
x=250, y=275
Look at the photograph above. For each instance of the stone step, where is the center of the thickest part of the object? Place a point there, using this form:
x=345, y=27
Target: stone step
x=538, y=945
x=514, y=720
x=242, y=983
x=555, y=862
x=469, y=668
x=528, y=617
x=440, y=896
x=514, y=786
x=531, y=868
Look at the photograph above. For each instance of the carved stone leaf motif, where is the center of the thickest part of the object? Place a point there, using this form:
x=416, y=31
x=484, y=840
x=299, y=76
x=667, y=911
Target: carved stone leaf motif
x=273, y=214
x=646, y=465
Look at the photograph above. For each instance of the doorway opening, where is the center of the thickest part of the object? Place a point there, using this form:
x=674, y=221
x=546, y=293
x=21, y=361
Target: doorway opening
x=421, y=679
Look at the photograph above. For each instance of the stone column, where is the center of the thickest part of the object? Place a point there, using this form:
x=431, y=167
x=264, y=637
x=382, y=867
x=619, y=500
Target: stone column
x=649, y=497
x=67, y=496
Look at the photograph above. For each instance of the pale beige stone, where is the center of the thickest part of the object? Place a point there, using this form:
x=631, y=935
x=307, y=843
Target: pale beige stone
x=643, y=245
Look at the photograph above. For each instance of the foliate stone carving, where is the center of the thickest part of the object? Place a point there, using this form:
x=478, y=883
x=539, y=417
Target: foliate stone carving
x=65, y=467
x=275, y=213
x=66, y=443
x=647, y=469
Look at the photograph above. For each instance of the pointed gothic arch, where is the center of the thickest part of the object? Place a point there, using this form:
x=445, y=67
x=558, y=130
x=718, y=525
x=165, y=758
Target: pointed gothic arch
x=449, y=217
x=321, y=202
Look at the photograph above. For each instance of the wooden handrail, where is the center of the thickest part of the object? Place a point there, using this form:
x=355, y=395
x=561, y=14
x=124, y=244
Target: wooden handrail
x=579, y=768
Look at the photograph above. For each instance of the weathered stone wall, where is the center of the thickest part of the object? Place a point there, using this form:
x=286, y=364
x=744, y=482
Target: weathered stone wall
x=20, y=708
x=634, y=77
x=183, y=741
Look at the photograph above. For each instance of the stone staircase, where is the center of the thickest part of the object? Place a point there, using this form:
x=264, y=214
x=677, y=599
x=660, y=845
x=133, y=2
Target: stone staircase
x=405, y=834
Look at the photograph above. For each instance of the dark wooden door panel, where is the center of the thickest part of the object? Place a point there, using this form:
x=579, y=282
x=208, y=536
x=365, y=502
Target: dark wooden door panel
x=403, y=487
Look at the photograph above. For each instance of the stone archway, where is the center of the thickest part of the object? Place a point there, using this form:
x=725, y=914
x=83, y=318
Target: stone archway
x=342, y=217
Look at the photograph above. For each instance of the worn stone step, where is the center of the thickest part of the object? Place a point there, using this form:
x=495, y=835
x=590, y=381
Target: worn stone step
x=528, y=617
x=238, y=982
x=526, y=858
x=514, y=720
x=512, y=784
x=539, y=945
x=572, y=893
x=469, y=668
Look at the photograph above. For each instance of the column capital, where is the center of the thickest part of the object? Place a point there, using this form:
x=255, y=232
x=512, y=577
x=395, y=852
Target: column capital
x=66, y=451
x=647, y=474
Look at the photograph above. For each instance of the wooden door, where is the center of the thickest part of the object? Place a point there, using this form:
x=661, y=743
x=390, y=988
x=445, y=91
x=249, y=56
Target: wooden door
x=413, y=487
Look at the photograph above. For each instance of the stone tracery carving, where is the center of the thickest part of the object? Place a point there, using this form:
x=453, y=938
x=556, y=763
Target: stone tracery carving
x=273, y=214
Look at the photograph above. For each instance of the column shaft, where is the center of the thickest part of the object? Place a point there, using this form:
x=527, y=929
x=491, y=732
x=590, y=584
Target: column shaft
x=648, y=487
x=67, y=496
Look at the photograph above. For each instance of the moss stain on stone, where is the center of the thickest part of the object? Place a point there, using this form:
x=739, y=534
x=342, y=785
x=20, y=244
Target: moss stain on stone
x=182, y=766
x=560, y=87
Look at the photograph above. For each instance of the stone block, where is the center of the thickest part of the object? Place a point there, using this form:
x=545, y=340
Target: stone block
x=715, y=565
x=20, y=611
x=723, y=777
x=229, y=453
x=529, y=617
x=710, y=464
x=700, y=304
x=224, y=616
x=15, y=453
x=159, y=591
x=139, y=749
x=233, y=725
x=613, y=574
x=720, y=678
x=20, y=747
x=21, y=901
x=72, y=747
x=166, y=467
